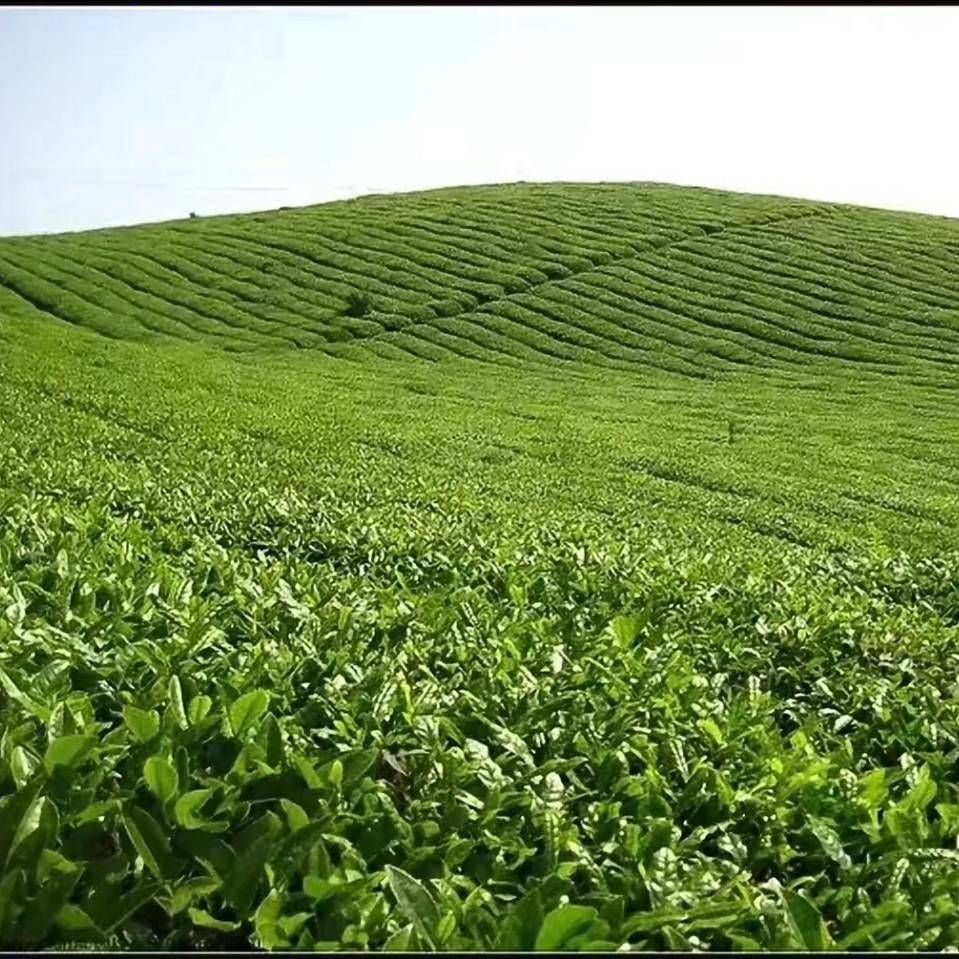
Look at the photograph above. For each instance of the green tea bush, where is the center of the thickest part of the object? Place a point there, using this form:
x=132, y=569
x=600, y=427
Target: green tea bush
x=616, y=612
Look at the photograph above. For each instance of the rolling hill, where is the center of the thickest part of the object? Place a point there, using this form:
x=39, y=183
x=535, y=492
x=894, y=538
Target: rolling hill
x=696, y=282
x=546, y=566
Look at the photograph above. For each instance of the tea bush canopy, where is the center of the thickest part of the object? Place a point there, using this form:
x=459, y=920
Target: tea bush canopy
x=522, y=567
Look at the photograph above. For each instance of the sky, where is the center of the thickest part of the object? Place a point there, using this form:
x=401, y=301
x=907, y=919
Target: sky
x=136, y=114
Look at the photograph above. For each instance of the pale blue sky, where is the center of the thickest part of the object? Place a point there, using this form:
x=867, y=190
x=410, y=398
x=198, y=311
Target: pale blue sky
x=112, y=116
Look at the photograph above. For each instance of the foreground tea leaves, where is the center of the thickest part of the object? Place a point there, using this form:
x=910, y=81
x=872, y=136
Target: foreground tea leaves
x=319, y=655
x=563, y=924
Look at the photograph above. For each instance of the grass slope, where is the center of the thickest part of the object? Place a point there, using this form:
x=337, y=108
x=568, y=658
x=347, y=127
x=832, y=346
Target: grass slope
x=600, y=585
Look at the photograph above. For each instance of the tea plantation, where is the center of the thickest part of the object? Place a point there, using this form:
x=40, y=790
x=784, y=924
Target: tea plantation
x=542, y=566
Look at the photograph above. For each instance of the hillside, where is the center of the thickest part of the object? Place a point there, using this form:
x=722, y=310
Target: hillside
x=624, y=277
x=597, y=587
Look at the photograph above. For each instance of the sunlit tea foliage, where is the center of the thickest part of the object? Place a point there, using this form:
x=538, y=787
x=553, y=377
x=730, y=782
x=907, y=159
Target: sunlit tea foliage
x=524, y=567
